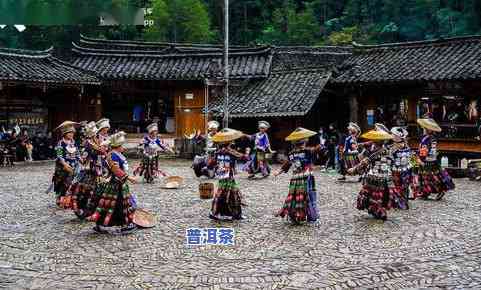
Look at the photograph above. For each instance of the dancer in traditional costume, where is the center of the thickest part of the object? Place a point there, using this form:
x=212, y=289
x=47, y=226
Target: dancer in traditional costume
x=68, y=157
x=350, y=153
x=152, y=145
x=227, y=202
x=378, y=193
x=432, y=179
x=116, y=206
x=84, y=187
x=103, y=126
x=258, y=162
x=301, y=202
x=205, y=165
x=402, y=166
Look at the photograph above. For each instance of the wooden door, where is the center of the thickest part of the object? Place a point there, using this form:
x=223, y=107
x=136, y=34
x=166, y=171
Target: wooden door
x=189, y=121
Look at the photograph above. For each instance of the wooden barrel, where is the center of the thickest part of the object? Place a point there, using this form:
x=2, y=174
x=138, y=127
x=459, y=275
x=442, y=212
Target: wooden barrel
x=206, y=190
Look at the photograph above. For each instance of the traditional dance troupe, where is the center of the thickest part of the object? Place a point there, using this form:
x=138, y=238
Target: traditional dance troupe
x=92, y=179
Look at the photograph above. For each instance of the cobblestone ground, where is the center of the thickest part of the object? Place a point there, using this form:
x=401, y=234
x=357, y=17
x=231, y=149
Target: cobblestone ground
x=433, y=245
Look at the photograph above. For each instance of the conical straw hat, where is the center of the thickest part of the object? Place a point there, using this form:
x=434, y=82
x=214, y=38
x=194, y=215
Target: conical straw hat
x=430, y=124
x=376, y=135
x=227, y=135
x=299, y=134
x=144, y=218
x=173, y=182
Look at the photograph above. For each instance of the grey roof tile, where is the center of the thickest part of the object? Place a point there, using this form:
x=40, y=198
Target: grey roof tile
x=40, y=66
x=455, y=58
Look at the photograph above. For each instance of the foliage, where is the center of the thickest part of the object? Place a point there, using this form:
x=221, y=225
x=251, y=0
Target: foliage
x=279, y=22
x=179, y=21
x=290, y=27
x=343, y=37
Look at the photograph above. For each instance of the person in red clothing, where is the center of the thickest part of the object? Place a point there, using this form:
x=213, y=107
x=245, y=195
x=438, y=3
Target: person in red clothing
x=116, y=206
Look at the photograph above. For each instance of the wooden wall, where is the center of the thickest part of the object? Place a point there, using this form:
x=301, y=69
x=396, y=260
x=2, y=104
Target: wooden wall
x=58, y=103
x=189, y=114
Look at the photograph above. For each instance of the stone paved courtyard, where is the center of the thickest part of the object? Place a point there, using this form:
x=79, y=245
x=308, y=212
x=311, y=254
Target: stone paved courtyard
x=433, y=245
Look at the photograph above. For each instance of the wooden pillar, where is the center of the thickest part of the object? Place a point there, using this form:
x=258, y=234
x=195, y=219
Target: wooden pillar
x=412, y=110
x=353, y=108
x=98, y=106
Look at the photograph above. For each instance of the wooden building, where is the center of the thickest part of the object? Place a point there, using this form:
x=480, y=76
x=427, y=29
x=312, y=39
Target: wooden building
x=163, y=81
x=180, y=85
x=39, y=91
x=290, y=96
x=398, y=83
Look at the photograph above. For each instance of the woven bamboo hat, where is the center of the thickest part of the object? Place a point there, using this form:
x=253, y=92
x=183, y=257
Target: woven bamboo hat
x=173, y=182
x=144, y=218
x=227, y=135
x=375, y=135
x=430, y=124
x=67, y=127
x=300, y=134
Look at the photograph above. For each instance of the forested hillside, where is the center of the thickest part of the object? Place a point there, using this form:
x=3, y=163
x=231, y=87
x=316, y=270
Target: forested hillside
x=280, y=22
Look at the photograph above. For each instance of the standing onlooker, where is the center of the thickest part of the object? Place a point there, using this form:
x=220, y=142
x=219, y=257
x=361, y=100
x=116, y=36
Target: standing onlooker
x=333, y=139
x=3, y=134
x=321, y=155
x=26, y=146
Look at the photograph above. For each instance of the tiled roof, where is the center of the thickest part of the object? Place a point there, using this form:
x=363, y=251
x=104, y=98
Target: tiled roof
x=443, y=59
x=40, y=66
x=290, y=58
x=117, y=60
x=106, y=44
x=282, y=94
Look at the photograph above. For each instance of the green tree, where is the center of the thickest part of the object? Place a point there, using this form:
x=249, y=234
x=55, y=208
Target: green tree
x=160, y=16
x=343, y=37
x=180, y=21
x=291, y=27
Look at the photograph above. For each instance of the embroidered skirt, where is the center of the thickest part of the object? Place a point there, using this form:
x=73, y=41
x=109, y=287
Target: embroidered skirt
x=403, y=182
x=258, y=164
x=115, y=206
x=377, y=196
x=83, y=192
x=62, y=180
x=433, y=179
x=228, y=199
x=350, y=160
x=301, y=201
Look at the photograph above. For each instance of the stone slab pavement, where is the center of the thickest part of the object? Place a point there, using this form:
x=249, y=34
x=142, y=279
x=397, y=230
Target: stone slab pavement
x=434, y=245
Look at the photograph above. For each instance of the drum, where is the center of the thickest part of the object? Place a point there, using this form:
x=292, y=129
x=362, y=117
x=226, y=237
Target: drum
x=206, y=190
